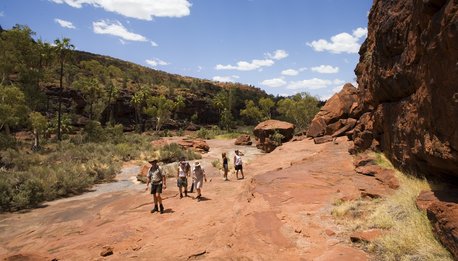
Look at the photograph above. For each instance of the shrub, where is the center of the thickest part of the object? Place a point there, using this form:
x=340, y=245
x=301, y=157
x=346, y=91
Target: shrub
x=7, y=141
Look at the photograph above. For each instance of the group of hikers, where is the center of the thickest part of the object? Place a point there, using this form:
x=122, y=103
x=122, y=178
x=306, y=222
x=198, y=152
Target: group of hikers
x=157, y=178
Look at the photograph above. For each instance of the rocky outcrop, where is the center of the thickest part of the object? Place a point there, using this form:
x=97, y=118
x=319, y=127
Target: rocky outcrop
x=442, y=210
x=338, y=115
x=407, y=76
x=266, y=131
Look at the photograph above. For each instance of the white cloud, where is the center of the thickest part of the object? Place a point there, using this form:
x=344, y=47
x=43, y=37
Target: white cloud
x=313, y=84
x=325, y=69
x=64, y=23
x=277, y=55
x=246, y=66
x=139, y=9
x=231, y=78
x=117, y=29
x=155, y=62
x=276, y=82
x=122, y=42
x=341, y=43
x=154, y=44
x=290, y=72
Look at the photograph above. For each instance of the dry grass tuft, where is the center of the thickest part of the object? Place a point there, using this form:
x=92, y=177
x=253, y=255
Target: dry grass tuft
x=408, y=233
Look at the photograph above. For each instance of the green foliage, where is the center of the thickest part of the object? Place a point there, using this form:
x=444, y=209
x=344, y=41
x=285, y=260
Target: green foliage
x=173, y=152
x=266, y=105
x=159, y=108
x=7, y=141
x=277, y=138
x=194, y=118
x=39, y=124
x=13, y=110
x=251, y=111
x=300, y=109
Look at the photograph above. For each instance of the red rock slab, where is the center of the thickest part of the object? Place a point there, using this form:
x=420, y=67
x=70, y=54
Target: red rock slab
x=366, y=236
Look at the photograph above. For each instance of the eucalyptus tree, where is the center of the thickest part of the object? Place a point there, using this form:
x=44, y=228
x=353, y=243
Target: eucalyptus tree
x=63, y=49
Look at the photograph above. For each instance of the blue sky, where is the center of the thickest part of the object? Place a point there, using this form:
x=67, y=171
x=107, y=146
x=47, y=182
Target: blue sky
x=281, y=46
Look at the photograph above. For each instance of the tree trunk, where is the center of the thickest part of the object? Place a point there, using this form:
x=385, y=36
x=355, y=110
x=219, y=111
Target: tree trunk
x=59, y=112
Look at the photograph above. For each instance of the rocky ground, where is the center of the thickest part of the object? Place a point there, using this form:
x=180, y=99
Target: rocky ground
x=282, y=209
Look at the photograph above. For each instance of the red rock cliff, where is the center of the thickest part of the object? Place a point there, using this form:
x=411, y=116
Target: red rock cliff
x=408, y=85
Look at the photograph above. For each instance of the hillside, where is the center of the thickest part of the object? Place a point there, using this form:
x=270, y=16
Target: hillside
x=102, y=88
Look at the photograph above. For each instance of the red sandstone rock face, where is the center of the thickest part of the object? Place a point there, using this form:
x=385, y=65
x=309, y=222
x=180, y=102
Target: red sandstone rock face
x=333, y=115
x=408, y=83
x=264, y=130
x=442, y=210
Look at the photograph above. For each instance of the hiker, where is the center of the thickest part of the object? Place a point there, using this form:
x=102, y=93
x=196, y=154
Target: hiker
x=158, y=182
x=198, y=176
x=238, y=164
x=182, y=177
x=225, y=166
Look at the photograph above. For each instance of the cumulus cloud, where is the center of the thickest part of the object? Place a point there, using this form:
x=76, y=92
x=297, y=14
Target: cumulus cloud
x=313, y=84
x=154, y=44
x=325, y=69
x=290, y=72
x=64, y=23
x=276, y=82
x=155, y=62
x=231, y=78
x=117, y=29
x=246, y=66
x=139, y=9
x=277, y=55
x=341, y=43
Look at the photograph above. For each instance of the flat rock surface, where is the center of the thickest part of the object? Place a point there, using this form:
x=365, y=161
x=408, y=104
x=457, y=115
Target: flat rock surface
x=281, y=210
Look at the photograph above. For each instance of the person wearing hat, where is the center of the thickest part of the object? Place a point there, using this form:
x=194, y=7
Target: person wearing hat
x=198, y=176
x=158, y=182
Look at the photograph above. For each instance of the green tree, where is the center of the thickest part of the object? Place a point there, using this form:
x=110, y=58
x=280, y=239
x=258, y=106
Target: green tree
x=13, y=109
x=223, y=102
x=159, y=108
x=138, y=100
x=39, y=124
x=114, y=89
x=299, y=109
x=90, y=82
x=266, y=105
x=251, y=111
x=63, y=49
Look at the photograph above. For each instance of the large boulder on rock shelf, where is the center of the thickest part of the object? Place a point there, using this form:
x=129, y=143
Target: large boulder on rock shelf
x=265, y=130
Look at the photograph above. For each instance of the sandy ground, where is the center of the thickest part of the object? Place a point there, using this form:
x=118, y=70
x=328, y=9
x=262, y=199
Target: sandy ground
x=282, y=209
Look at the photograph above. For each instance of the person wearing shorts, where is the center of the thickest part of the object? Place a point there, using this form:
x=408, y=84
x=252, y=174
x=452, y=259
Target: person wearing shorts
x=182, y=177
x=198, y=176
x=158, y=182
x=238, y=164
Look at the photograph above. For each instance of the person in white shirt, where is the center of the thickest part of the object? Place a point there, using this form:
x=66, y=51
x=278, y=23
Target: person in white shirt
x=238, y=164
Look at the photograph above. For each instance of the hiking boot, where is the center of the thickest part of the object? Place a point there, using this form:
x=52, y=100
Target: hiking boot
x=154, y=209
x=181, y=195
x=185, y=194
x=161, y=209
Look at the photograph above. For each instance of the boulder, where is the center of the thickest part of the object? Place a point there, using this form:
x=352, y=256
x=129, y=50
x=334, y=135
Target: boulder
x=197, y=144
x=324, y=139
x=337, y=108
x=442, y=210
x=244, y=139
x=264, y=131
